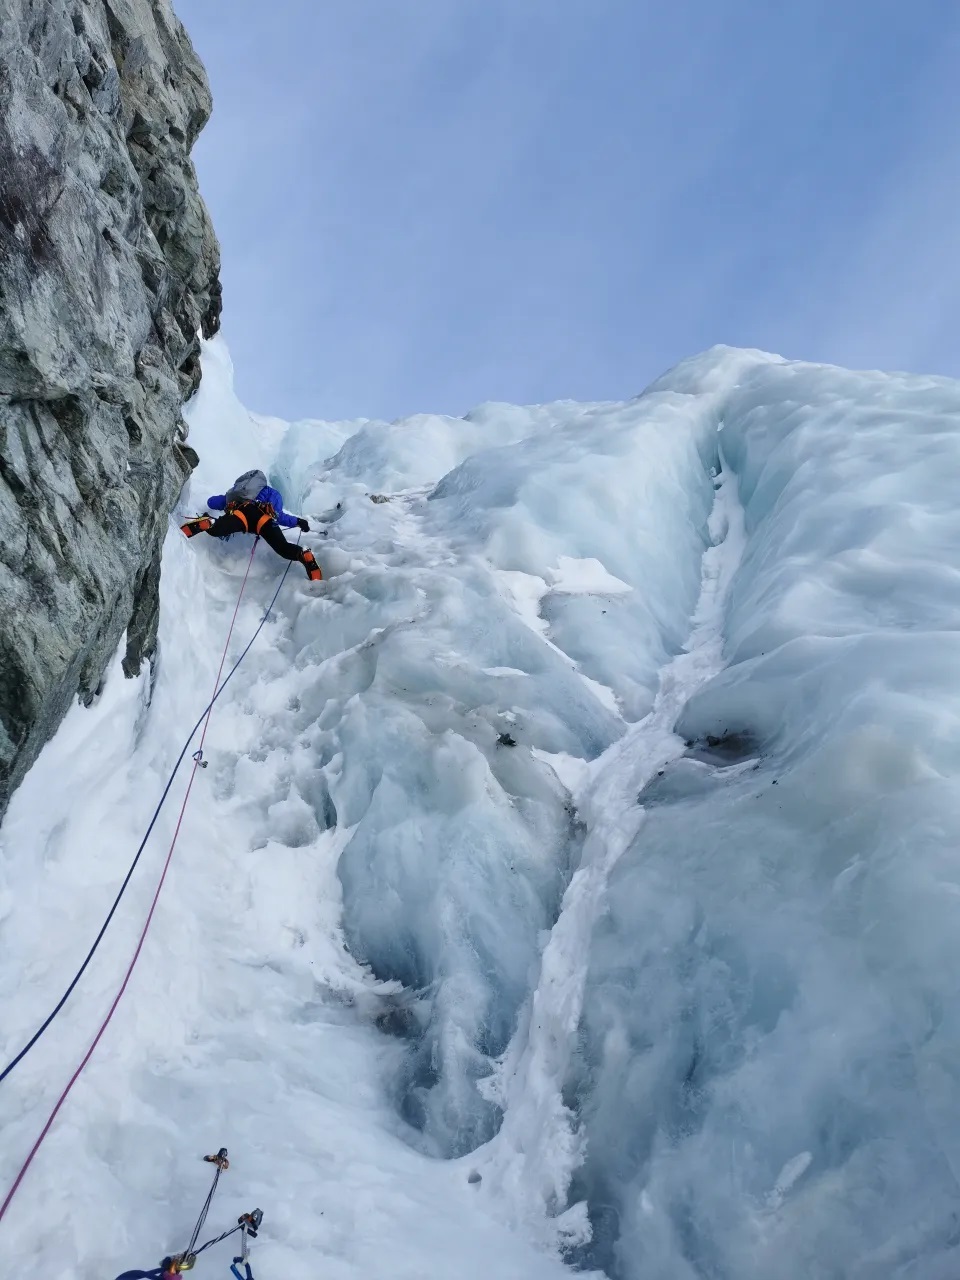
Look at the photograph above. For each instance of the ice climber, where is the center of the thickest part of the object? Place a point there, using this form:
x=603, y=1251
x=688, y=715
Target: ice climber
x=251, y=506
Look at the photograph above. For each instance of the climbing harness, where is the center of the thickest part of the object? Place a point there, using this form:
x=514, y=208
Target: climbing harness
x=252, y=515
x=248, y=1224
x=198, y=762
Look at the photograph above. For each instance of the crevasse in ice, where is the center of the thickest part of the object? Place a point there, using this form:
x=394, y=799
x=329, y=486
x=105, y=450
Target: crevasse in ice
x=591, y=832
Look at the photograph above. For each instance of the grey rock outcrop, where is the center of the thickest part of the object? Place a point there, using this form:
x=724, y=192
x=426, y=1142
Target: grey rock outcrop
x=108, y=269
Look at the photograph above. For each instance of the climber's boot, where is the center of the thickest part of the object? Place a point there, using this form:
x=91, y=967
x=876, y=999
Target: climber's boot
x=311, y=566
x=193, y=527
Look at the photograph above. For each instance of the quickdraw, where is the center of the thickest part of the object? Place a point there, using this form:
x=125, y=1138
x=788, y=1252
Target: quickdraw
x=249, y=1225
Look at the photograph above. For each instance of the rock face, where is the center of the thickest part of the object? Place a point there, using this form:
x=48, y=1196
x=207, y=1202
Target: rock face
x=108, y=268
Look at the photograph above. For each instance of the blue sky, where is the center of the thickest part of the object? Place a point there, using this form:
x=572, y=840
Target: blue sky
x=425, y=204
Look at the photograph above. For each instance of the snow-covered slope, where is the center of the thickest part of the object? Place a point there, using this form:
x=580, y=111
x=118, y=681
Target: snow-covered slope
x=575, y=873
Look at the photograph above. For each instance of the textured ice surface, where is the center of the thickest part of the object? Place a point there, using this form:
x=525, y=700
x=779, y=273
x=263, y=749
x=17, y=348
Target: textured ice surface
x=592, y=826
x=766, y=1080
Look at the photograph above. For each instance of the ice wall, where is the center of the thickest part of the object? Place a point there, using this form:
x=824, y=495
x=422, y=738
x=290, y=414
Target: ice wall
x=523, y=604
x=766, y=1081
x=592, y=826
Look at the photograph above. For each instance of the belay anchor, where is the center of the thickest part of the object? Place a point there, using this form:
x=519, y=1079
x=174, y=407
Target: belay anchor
x=248, y=1224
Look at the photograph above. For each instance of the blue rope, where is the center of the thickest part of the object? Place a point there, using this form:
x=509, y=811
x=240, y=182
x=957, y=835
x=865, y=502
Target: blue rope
x=133, y=865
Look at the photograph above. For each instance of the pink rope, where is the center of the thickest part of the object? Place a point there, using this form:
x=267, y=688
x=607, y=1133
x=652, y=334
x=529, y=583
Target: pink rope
x=146, y=927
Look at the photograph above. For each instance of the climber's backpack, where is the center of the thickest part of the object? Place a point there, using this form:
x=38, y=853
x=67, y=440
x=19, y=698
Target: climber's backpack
x=245, y=488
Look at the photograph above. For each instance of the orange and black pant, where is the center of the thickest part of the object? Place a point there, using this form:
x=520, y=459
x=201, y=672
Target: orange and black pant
x=250, y=517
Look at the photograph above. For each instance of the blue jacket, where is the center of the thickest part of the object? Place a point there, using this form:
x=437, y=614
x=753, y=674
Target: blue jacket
x=272, y=496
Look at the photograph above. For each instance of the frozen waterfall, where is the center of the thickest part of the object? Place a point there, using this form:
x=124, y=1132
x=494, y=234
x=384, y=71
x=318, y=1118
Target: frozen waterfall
x=575, y=879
